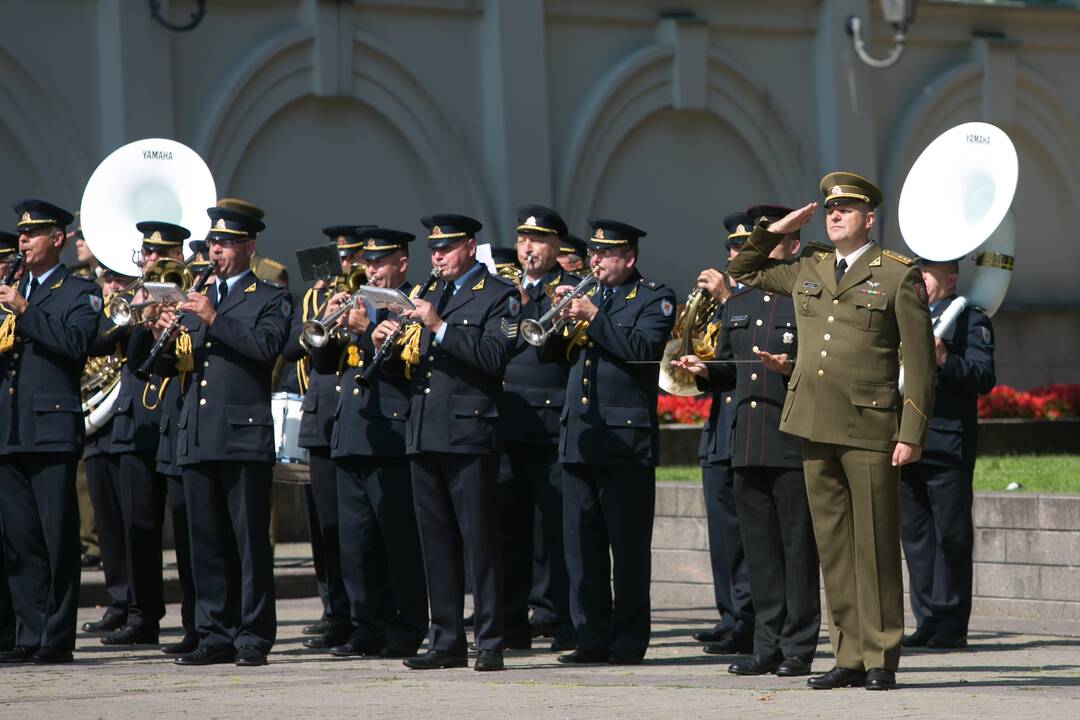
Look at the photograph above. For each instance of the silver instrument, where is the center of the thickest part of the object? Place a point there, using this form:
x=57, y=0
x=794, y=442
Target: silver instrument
x=317, y=333
x=537, y=332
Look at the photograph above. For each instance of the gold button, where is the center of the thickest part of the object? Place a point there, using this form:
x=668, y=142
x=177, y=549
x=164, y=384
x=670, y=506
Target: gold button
x=627, y=422
x=209, y=344
x=835, y=302
x=356, y=391
x=337, y=388
x=874, y=403
x=465, y=321
x=758, y=323
x=11, y=391
x=831, y=319
x=153, y=387
x=57, y=406
x=584, y=401
x=475, y=412
x=767, y=299
x=431, y=358
x=585, y=381
x=592, y=344
x=427, y=391
x=395, y=414
x=824, y=353
x=727, y=399
x=755, y=348
x=588, y=363
x=820, y=373
x=15, y=355
x=206, y=363
x=202, y=383
x=202, y=401
x=753, y=376
x=251, y=420
x=547, y=402
x=753, y=403
x=828, y=337
x=429, y=373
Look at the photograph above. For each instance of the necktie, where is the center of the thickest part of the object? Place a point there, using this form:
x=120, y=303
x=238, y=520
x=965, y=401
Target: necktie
x=33, y=286
x=841, y=267
x=447, y=294
x=222, y=292
x=605, y=298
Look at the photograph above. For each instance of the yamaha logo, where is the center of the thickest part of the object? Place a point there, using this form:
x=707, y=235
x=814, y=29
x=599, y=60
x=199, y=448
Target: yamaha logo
x=973, y=139
x=157, y=155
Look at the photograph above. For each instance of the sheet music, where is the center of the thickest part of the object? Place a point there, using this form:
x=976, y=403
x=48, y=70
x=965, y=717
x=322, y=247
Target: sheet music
x=378, y=298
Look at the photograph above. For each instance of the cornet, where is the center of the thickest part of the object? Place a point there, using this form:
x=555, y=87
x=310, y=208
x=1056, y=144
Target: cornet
x=317, y=333
x=122, y=311
x=537, y=332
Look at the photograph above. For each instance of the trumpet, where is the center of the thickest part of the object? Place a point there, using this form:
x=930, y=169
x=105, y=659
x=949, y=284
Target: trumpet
x=537, y=332
x=122, y=311
x=317, y=332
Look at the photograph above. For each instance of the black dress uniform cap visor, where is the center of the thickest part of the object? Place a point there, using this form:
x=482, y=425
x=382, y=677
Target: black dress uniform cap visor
x=379, y=242
x=612, y=233
x=540, y=220
x=345, y=236
x=447, y=229
x=36, y=213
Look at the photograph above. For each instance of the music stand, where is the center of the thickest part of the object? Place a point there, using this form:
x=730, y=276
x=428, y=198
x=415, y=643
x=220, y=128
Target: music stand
x=318, y=263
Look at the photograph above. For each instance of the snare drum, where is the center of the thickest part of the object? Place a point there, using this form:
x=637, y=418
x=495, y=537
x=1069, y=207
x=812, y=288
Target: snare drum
x=286, y=410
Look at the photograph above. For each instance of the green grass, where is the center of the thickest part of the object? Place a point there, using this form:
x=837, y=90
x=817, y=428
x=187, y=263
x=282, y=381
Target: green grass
x=1035, y=473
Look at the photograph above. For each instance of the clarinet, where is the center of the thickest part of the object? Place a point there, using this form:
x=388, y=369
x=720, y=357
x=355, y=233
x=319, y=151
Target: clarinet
x=368, y=375
x=147, y=368
x=13, y=268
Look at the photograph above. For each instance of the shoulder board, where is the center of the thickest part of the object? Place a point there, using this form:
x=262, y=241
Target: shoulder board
x=821, y=252
x=902, y=259
x=271, y=263
x=84, y=278
x=500, y=278
x=651, y=284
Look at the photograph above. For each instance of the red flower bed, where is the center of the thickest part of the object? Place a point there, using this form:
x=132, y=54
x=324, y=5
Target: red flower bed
x=683, y=410
x=1042, y=403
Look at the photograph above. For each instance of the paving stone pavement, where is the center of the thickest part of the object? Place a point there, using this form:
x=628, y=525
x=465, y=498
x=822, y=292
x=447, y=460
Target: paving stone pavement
x=1001, y=674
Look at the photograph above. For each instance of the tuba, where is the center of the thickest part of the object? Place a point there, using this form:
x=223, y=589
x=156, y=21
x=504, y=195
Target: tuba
x=687, y=338
x=966, y=178
x=151, y=179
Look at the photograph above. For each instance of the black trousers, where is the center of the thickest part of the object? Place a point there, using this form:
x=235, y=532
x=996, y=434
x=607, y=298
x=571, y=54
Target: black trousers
x=731, y=577
x=454, y=496
x=383, y=568
x=127, y=483
x=182, y=542
x=39, y=512
x=937, y=534
x=530, y=490
x=321, y=501
x=608, y=518
x=7, y=610
x=109, y=518
x=781, y=556
x=541, y=597
x=231, y=557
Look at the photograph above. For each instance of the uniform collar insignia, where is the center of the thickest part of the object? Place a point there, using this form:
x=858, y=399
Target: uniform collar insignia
x=632, y=294
x=251, y=288
x=876, y=262
x=479, y=285
x=57, y=284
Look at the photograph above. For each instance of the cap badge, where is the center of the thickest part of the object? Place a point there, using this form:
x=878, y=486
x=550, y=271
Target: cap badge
x=436, y=230
x=156, y=236
x=221, y=224
x=530, y=221
x=599, y=234
x=26, y=217
x=741, y=229
x=836, y=190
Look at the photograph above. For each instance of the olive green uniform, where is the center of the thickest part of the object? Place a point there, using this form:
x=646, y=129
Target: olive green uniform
x=844, y=402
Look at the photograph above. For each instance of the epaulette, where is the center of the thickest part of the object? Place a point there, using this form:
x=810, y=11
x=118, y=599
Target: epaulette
x=651, y=284
x=84, y=278
x=902, y=259
x=501, y=279
x=268, y=283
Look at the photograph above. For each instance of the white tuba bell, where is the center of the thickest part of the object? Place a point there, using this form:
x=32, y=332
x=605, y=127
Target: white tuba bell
x=151, y=179
x=956, y=201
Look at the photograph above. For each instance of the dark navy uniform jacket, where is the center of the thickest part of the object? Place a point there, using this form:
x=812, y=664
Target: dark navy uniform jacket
x=766, y=321
x=370, y=421
x=40, y=374
x=715, y=444
x=456, y=389
x=534, y=390
x=968, y=372
x=610, y=415
x=226, y=407
x=136, y=414
x=172, y=401
x=324, y=383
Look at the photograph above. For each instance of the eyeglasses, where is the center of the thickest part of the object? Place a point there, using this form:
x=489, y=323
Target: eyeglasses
x=229, y=242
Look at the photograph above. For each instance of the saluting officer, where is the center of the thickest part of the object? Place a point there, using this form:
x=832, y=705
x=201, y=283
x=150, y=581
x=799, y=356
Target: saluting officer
x=935, y=493
x=734, y=634
x=9, y=246
x=225, y=444
x=384, y=570
x=51, y=322
x=128, y=493
x=774, y=517
x=530, y=476
x=453, y=440
x=854, y=306
x=609, y=447
x=319, y=376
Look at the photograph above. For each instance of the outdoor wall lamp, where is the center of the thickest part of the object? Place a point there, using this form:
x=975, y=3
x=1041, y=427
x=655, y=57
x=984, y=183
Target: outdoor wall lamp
x=899, y=14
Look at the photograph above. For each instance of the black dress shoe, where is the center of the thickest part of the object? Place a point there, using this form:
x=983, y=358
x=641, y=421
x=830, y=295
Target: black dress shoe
x=623, y=657
x=756, y=665
x=393, y=650
x=18, y=654
x=318, y=628
x=435, y=660
x=90, y=561
x=185, y=646
x=110, y=622
x=208, y=655
x=731, y=644
x=714, y=634
x=880, y=679
x=250, y=656
x=582, y=656
x=794, y=666
x=131, y=635
x=918, y=638
x=489, y=660
x=358, y=648
x=838, y=677
x=542, y=629
x=327, y=641
x=563, y=643
x=947, y=641
x=52, y=656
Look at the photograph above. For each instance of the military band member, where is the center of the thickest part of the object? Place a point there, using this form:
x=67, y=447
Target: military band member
x=734, y=634
x=51, y=323
x=530, y=476
x=573, y=254
x=609, y=447
x=225, y=445
x=935, y=492
x=384, y=566
x=854, y=307
x=127, y=492
x=770, y=494
x=319, y=375
x=453, y=441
